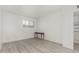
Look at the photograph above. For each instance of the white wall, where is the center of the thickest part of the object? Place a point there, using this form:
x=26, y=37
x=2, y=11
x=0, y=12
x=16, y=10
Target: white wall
x=68, y=28
x=50, y=25
x=58, y=27
x=13, y=29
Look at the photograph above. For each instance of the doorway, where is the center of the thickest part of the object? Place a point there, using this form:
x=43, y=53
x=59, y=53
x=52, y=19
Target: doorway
x=76, y=30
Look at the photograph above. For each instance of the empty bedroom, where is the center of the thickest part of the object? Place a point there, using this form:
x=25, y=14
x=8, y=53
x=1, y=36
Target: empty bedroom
x=37, y=29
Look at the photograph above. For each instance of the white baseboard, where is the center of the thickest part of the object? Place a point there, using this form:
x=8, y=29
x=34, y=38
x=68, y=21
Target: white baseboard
x=54, y=42
x=16, y=40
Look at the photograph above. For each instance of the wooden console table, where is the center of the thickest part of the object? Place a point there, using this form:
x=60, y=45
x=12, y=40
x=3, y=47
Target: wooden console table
x=39, y=33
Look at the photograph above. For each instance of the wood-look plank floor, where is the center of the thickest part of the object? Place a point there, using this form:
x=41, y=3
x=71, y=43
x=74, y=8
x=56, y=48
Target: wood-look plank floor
x=33, y=46
x=76, y=47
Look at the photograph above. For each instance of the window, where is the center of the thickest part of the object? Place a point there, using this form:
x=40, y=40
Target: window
x=28, y=23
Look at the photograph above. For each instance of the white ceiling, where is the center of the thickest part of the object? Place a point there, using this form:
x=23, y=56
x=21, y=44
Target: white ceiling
x=32, y=10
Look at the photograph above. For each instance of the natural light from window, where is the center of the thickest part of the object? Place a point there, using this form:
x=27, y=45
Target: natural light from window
x=28, y=23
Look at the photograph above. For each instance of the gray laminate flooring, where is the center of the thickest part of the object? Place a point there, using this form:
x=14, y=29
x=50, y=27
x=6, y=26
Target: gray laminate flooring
x=34, y=45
